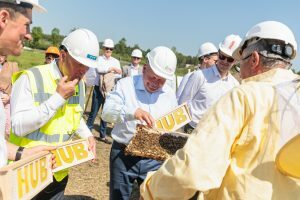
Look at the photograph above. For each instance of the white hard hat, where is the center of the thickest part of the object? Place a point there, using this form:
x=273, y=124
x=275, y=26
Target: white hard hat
x=34, y=3
x=206, y=49
x=108, y=43
x=83, y=46
x=229, y=44
x=162, y=61
x=137, y=53
x=269, y=30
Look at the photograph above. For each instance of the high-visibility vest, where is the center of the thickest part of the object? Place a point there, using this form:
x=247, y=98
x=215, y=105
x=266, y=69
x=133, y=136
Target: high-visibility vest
x=62, y=126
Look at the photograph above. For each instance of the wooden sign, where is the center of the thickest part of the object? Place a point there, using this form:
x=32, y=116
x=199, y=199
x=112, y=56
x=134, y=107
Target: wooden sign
x=175, y=119
x=72, y=153
x=25, y=178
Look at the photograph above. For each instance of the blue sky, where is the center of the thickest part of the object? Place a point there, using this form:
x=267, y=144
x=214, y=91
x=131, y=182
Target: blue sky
x=185, y=24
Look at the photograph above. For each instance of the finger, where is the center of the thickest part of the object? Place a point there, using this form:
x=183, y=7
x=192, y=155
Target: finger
x=63, y=79
x=74, y=82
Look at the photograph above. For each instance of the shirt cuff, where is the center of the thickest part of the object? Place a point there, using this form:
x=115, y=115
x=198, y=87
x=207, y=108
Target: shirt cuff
x=83, y=131
x=55, y=101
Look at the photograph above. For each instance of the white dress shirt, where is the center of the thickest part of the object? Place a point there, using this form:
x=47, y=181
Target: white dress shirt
x=204, y=88
x=129, y=95
x=26, y=117
x=3, y=150
x=182, y=84
x=104, y=65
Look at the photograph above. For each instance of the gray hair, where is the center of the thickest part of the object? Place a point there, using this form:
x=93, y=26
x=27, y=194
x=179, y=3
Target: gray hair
x=268, y=60
x=14, y=9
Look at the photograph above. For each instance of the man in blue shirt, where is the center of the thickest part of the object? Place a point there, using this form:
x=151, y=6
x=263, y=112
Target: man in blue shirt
x=138, y=99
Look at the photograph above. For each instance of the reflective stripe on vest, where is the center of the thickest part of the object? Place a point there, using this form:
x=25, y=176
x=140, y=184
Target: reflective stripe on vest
x=54, y=138
x=40, y=97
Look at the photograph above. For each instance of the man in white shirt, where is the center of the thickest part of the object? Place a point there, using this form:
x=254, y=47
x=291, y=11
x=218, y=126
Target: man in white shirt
x=134, y=68
x=107, y=64
x=205, y=87
x=208, y=56
x=138, y=99
x=48, y=101
x=14, y=30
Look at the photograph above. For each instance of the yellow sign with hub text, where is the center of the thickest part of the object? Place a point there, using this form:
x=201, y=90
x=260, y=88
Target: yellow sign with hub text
x=25, y=178
x=72, y=153
x=174, y=120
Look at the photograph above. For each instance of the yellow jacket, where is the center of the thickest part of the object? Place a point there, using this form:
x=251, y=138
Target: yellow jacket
x=231, y=153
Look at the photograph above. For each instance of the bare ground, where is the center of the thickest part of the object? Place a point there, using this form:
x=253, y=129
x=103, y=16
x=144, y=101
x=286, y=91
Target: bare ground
x=89, y=180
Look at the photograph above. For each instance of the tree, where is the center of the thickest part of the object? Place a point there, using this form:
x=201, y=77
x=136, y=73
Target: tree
x=37, y=34
x=55, y=37
x=121, y=47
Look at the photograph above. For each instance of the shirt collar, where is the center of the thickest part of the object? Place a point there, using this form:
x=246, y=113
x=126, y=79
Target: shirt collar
x=217, y=73
x=134, y=67
x=276, y=75
x=55, y=70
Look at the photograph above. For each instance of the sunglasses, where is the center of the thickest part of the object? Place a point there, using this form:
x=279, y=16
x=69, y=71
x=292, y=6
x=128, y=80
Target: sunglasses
x=136, y=58
x=110, y=49
x=229, y=59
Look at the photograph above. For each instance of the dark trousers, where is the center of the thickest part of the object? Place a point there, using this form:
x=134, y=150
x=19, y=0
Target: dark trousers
x=124, y=170
x=97, y=102
x=54, y=191
x=188, y=129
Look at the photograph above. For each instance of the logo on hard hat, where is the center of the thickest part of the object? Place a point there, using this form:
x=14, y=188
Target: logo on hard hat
x=91, y=57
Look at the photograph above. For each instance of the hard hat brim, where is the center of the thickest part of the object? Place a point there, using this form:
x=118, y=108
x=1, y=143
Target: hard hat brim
x=36, y=7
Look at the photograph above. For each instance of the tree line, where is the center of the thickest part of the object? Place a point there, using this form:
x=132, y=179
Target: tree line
x=122, y=51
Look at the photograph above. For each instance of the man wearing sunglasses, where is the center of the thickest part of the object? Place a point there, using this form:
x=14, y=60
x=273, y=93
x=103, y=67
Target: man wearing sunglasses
x=208, y=56
x=232, y=153
x=107, y=65
x=205, y=87
x=134, y=68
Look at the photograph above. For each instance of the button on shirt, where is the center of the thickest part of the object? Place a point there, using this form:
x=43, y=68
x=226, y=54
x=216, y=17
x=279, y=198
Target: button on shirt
x=203, y=89
x=26, y=117
x=104, y=65
x=129, y=95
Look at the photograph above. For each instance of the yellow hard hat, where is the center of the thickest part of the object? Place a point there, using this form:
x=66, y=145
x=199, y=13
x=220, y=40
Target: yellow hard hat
x=53, y=50
x=287, y=160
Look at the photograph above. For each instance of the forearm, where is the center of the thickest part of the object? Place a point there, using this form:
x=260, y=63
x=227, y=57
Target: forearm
x=11, y=150
x=33, y=117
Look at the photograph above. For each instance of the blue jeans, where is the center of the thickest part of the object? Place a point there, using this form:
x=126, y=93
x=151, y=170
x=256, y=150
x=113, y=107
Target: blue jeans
x=97, y=101
x=124, y=170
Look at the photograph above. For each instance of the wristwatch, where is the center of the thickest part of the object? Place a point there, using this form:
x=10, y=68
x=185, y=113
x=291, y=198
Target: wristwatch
x=19, y=153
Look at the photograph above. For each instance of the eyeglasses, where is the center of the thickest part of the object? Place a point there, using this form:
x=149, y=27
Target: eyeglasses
x=110, y=49
x=136, y=58
x=247, y=57
x=223, y=57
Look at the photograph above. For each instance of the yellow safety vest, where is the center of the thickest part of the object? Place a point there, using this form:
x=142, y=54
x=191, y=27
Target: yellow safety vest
x=62, y=126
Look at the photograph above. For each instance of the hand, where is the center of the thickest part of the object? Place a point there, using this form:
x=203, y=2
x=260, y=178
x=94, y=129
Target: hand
x=144, y=116
x=92, y=145
x=115, y=70
x=66, y=88
x=41, y=148
x=5, y=98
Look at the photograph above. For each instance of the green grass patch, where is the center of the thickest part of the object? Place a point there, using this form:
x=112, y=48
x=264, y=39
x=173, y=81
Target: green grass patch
x=28, y=58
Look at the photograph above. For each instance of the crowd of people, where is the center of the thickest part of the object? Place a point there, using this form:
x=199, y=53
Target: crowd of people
x=235, y=135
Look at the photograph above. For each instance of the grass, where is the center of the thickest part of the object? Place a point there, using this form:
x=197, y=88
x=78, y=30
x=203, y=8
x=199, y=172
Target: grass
x=28, y=58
